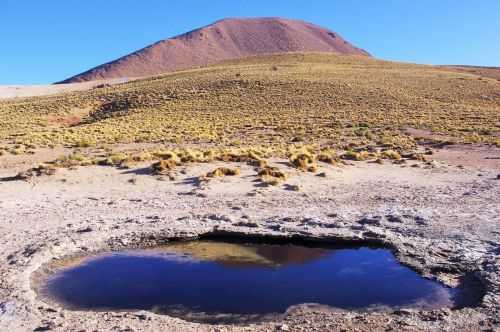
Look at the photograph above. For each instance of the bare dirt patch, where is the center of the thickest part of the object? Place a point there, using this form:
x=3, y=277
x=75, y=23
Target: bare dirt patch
x=24, y=91
x=477, y=156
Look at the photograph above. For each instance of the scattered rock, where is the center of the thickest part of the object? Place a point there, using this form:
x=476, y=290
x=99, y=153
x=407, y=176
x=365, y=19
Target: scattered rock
x=49, y=310
x=48, y=326
x=404, y=312
x=30, y=250
x=274, y=227
x=7, y=309
x=370, y=234
x=102, y=86
x=42, y=328
x=218, y=217
x=394, y=218
x=84, y=230
x=287, y=219
x=283, y=327
x=250, y=224
x=292, y=187
x=374, y=220
x=420, y=220
x=141, y=316
x=313, y=222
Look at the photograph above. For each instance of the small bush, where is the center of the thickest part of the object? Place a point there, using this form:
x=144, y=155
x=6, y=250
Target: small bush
x=259, y=163
x=142, y=156
x=18, y=151
x=85, y=143
x=163, y=167
x=270, y=181
x=304, y=161
x=273, y=172
x=42, y=169
x=114, y=159
x=391, y=154
x=328, y=156
x=223, y=171
x=416, y=156
x=357, y=156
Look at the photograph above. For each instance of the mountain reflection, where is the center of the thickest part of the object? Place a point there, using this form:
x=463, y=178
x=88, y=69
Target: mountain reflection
x=248, y=255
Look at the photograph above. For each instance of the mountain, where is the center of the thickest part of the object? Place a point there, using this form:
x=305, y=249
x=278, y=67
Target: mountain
x=226, y=39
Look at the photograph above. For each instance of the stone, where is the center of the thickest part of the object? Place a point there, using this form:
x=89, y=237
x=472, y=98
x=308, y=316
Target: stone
x=394, y=218
x=84, y=230
x=374, y=220
x=283, y=327
x=249, y=224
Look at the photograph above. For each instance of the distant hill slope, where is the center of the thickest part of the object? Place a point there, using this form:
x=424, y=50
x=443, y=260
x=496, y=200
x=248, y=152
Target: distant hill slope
x=274, y=102
x=491, y=72
x=223, y=40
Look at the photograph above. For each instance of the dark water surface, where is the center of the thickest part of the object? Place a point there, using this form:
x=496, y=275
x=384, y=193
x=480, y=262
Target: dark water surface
x=211, y=279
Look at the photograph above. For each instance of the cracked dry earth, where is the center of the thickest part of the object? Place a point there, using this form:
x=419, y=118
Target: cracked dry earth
x=442, y=221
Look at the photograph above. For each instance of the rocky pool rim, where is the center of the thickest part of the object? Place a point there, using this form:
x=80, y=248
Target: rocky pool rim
x=468, y=282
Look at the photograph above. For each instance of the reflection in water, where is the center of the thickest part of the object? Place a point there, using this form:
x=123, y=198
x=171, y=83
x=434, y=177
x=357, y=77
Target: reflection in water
x=215, y=281
x=241, y=254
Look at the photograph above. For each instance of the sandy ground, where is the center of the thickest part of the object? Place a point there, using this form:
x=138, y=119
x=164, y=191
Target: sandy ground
x=471, y=155
x=22, y=91
x=442, y=220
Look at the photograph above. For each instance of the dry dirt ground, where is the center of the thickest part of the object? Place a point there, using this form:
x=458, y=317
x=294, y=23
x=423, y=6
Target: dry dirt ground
x=442, y=220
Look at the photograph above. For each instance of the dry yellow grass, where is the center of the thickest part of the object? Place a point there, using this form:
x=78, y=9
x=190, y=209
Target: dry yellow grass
x=320, y=100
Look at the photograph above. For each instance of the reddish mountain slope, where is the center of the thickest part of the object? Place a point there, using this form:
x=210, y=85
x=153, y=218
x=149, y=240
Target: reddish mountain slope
x=223, y=40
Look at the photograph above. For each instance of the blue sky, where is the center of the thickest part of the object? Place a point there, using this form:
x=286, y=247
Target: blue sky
x=43, y=41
